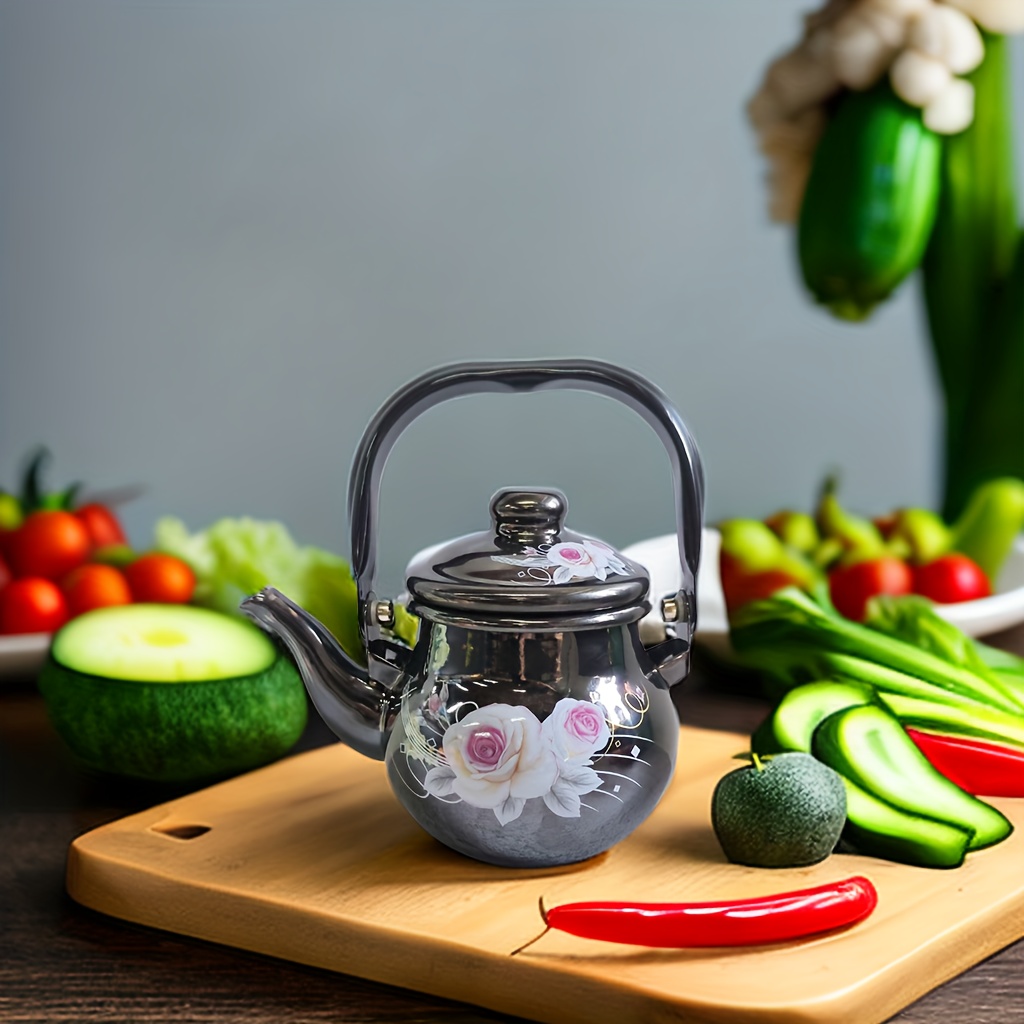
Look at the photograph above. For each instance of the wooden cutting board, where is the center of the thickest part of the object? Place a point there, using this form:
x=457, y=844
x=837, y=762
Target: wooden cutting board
x=312, y=860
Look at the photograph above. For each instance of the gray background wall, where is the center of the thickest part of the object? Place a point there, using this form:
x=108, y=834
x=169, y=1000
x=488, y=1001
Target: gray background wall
x=231, y=229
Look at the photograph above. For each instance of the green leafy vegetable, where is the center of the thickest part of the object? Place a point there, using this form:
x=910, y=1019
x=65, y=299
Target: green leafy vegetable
x=237, y=557
x=793, y=639
x=914, y=620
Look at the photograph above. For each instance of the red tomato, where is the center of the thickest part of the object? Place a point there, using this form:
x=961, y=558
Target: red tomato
x=5, y=574
x=32, y=605
x=950, y=579
x=740, y=585
x=94, y=586
x=852, y=586
x=101, y=524
x=160, y=578
x=50, y=543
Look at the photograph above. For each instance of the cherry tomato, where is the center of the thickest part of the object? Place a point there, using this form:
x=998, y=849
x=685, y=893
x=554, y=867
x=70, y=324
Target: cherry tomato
x=101, y=524
x=160, y=578
x=32, y=605
x=5, y=574
x=852, y=586
x=94, y=586
x=50, y=543
x=950, y=579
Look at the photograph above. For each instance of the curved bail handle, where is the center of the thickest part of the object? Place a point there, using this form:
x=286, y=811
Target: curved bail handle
x=467, y=378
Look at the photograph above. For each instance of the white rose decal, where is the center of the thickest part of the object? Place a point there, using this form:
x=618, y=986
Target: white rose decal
x=500, y=756
x=496, y=757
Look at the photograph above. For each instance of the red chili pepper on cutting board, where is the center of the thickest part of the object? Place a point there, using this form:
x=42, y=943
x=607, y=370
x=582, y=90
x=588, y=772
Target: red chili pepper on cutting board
x=743, y=922
x=980, y=768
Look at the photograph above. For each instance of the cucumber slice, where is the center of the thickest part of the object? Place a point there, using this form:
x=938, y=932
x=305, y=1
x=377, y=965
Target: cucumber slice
x=868, y=746
x=878, y=829
x=162, y=643
x=792, y=723
x=171, y=694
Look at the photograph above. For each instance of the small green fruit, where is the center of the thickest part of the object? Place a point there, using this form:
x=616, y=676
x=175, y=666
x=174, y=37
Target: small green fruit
x=786, y=811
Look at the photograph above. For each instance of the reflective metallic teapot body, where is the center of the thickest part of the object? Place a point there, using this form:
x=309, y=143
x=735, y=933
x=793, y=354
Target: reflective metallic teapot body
x=527, y=726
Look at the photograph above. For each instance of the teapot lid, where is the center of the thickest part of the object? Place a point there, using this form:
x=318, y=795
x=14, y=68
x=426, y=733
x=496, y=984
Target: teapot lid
x=528, y=572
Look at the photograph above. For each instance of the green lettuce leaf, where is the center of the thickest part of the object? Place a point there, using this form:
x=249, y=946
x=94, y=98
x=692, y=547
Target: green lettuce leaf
x=237, y=557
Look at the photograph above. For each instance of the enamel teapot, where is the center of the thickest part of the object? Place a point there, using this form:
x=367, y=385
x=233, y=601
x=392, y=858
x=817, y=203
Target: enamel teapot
x=527, y=725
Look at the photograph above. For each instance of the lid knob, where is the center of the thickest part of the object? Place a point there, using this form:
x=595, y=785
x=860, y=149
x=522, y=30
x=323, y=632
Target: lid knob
x=527, y=517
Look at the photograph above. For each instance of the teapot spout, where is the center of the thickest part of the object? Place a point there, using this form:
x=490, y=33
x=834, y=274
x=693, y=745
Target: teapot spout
x=358, y=710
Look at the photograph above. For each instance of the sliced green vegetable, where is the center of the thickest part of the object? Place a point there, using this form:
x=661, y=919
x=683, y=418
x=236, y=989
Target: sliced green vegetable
x=155, y=643
x=873, y=827
x=794, y=719
x=171, y=693
x=878, y=829
x=868, y=746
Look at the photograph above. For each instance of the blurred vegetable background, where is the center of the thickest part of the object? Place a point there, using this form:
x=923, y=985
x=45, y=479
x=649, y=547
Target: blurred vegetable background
x=890, y=133
x=845, y=560
x=233, y=229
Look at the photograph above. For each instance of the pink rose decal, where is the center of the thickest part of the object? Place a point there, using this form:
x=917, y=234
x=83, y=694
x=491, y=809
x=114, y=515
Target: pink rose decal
x=576, y=730
x=568, y=560
x=496, y=757
x=570, y=554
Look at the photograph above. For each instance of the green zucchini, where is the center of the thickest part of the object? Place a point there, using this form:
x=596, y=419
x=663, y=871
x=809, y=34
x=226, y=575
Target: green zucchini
x=868, y=746
x=870, y=203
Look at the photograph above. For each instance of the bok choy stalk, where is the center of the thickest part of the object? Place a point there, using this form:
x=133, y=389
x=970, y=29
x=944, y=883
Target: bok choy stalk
x=792, y=639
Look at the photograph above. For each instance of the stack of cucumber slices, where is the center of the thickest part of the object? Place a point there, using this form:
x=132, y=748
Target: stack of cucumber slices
x=171, y=693
x=897, y=805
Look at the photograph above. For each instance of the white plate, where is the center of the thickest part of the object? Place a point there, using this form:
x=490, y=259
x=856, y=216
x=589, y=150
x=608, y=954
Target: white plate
x=23, y=655
x=660, y=556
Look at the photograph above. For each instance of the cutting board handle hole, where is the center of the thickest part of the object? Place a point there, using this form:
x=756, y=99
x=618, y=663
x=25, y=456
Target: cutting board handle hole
x=182, y=831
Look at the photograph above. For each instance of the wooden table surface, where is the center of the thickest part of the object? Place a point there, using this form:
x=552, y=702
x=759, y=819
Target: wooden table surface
x=62, y=963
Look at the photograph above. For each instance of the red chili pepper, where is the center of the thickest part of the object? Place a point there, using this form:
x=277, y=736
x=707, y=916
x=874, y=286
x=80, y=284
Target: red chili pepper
x=745, y=922
x=980, y=768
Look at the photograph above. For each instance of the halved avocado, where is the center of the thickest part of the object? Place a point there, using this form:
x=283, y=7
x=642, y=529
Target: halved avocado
x=171, y=693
